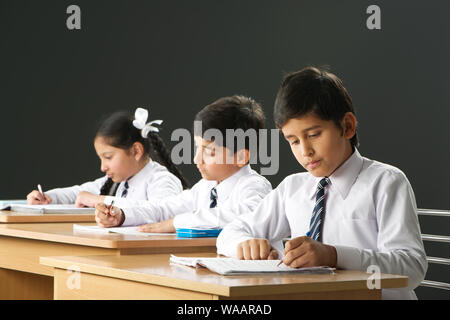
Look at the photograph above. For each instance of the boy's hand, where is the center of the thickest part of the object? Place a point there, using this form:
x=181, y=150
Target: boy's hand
x=87, y=199
x=106, y=217
x=256, y=249
x=305, y=252
x=35, y=197
x=162, y=227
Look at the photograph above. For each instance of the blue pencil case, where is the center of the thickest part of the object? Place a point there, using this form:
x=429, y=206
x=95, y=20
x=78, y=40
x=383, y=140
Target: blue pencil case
x=197, y=233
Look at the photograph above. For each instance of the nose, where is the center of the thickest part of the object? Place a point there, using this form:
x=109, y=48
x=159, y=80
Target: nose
x=198, y=158
x=306, y=149
x=103, y=167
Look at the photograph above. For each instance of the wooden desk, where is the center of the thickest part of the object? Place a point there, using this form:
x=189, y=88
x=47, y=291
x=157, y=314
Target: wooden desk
x=22, y=217
x=21, y=245
x=153, y=277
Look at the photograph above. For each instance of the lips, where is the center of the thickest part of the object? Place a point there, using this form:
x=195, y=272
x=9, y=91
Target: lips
x=313, y=164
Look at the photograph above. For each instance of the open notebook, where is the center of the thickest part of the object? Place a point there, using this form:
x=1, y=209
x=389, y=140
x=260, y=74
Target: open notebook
x=50, y=208
x=232, y=266
x=122, y=230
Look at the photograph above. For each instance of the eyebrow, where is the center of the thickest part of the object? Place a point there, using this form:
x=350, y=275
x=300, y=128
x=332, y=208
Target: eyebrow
x=303, y=131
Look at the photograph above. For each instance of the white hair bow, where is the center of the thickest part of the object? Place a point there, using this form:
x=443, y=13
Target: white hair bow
x=140, y=117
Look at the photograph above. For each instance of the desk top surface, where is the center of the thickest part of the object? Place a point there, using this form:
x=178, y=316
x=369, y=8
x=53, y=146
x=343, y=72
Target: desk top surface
x=64, y=233
x=27, y=217
x=156, y=269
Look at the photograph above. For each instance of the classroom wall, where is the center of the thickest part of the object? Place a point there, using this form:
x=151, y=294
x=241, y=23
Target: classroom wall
x=175, y=57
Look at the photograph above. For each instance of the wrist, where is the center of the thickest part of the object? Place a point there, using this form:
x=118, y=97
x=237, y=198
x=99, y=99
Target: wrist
x=122, y=218
x=333, y=256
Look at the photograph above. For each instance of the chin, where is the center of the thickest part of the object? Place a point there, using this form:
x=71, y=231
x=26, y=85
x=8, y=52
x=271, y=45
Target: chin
x=318, y=173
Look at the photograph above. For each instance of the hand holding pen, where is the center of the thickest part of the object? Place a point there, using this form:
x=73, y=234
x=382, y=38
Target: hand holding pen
x=108, y=216
x=38, y=197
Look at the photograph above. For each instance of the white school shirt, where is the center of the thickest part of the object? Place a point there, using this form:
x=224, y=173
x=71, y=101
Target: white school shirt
x=370, y=218
x=153, y=182
x=239, y=193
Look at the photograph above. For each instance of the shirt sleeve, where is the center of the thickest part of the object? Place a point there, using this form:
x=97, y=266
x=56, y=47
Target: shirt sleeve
x=267, y=221
x=249, y=194
x=399, y=247
x=69, y=195
x=160, y=187
x=156, y=211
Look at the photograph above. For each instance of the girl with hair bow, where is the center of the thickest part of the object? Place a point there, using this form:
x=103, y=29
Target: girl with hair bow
x=124, y=145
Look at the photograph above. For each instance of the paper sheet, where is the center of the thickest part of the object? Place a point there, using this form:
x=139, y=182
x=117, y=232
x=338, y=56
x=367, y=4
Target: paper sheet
x=120, y=230
x=52, y=208
x=231, y=266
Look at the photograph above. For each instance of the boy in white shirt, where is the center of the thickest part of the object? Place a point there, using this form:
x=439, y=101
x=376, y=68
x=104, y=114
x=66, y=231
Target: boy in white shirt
x=347, y=211
x=229, y=186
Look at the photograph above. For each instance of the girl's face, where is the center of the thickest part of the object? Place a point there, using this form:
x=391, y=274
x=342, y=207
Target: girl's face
x=118, y=164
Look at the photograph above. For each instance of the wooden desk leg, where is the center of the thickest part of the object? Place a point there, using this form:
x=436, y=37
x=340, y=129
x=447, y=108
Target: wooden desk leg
x=16, y=285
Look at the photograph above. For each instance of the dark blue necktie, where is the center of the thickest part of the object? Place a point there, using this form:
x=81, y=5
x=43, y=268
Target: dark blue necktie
x=213, y=198
x=125, y=190
x=318, y=212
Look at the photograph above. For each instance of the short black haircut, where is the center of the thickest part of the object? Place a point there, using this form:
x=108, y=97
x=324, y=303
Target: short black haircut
x=234, y=112
x=313, y=90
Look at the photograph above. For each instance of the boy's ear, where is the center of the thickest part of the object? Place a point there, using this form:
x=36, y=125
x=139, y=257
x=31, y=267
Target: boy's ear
x=349, y=125
x=242, y=157
x=137, y=150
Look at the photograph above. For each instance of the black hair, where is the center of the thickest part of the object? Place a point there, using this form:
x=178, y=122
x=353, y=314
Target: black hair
x=235, y=112
x=118, y=131
x=312, y=90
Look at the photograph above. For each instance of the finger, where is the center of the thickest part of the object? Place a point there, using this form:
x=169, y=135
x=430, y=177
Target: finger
x=114, y=211
x=264, y=250
x=37, y=196
x=247, y=251
x=101, y=207
x=101, y=215
x=300, y=262
x=144, y=228
x=78, y=204
x=273, y=255
x=240, y=251
x=294, y=254
x=293, y=243
x=255, y=251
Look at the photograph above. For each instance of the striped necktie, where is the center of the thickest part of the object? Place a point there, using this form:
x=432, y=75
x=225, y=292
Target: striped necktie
x=125, y=190
x=318, y=212
x=213, y=198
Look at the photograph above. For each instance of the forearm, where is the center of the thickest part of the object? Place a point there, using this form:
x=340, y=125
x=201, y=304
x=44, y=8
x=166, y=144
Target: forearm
x=400, y=262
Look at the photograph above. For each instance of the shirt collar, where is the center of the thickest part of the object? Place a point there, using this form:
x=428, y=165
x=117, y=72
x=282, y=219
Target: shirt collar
x=344, y=177
x=226, y=186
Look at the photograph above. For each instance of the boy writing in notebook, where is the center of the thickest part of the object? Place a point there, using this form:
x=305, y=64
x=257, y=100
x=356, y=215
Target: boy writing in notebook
x=346, y=211
x=228, y=186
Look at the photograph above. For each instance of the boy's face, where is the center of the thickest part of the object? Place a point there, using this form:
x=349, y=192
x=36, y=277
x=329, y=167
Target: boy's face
x=319, y=145
x=214, y=162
